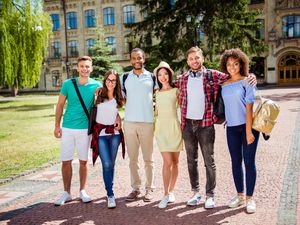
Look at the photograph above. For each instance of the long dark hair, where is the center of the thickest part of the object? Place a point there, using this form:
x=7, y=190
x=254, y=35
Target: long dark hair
x=117, y=90
x=170, y=78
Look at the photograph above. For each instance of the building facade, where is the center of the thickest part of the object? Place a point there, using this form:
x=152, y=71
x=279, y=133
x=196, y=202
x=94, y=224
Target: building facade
x=74, y=32
x=281, y=31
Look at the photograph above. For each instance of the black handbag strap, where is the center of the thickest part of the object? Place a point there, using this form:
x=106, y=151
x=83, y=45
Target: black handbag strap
x=80, y=98
x=211, y=82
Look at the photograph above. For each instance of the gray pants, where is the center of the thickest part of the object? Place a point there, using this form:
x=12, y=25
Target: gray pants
x=193, y=134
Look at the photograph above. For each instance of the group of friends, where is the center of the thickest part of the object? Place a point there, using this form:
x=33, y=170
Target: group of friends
x=191, y=93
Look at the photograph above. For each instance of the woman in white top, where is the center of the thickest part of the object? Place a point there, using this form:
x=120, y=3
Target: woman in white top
x=107, y=136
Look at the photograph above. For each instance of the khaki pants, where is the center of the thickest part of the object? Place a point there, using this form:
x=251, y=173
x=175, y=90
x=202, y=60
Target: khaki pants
x=140, y=134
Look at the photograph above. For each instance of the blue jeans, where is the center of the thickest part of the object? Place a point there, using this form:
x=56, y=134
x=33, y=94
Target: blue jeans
x=239, y=150
x=108, y=149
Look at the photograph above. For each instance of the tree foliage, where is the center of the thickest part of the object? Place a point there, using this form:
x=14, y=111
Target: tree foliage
x=102, y=56
x=24, y=32
x=165, y=34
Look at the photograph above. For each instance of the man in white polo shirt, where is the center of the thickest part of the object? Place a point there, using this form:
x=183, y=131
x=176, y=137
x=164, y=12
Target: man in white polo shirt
x=74, y=130
x=138, y=123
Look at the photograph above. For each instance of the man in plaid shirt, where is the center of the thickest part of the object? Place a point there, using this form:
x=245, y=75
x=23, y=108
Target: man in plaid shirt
x=197, y=121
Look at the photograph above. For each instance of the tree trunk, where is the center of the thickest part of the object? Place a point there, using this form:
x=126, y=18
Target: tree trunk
x=14, y=91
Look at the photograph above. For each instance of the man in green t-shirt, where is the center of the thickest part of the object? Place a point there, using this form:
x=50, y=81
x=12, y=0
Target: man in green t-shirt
x=73, y=132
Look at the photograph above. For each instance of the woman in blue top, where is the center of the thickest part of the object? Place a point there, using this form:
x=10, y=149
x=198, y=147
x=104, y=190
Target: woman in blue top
x=242, y=140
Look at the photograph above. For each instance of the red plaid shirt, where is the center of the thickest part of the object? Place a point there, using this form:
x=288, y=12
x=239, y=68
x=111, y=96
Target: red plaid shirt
x=181, y=83
x=109, y=129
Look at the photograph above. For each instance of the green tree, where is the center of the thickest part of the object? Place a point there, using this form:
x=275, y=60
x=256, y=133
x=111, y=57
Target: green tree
x=24, y=32
x=226, y=24
x=103, y=57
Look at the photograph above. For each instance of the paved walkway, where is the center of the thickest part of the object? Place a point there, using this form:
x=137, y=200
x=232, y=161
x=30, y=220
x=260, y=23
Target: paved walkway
x=29, y=199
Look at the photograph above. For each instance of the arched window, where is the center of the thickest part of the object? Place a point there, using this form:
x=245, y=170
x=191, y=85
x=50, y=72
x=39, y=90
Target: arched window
x=112, y=42
x=90, y=43
x=72, y=20
x=73, y=48
x=90, y=20
x=291, y=26
x=128, y=14
x=108, y=16
x=55, y=22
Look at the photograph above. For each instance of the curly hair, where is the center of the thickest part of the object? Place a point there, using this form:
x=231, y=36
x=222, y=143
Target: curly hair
x=117, y=90
x=238, y=54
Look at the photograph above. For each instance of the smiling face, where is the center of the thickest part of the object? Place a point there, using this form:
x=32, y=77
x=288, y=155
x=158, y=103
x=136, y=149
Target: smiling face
x=111, y=81
x=233, y=66
x=84, y=68
x=195, y=60
x=137, y=60
x=163, y=76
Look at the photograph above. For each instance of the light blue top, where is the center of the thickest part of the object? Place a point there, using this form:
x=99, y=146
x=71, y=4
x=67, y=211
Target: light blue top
x=75, y=117
x=139, y=97
x=235, y=96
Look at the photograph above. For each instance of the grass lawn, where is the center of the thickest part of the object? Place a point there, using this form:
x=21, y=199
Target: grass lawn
x=26, y=135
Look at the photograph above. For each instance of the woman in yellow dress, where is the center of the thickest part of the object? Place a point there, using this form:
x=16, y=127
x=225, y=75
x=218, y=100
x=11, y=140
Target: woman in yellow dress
x=167, y=129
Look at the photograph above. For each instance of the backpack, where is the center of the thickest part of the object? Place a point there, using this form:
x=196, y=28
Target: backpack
x=265, y=115
x=125, y=76
x=218, y=105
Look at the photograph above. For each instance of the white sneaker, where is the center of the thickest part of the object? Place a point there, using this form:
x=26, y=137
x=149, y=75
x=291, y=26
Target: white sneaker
x=250, y=206
x=84, y=196
x=164, y=202
x=171, y=197
x=65, y=197
x=236, y=201
x=111, y=202
x=195, y=200
x=209, y=203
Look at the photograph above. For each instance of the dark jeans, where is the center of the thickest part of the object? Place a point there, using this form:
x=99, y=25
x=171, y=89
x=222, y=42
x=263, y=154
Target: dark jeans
x=108, y=149
x=205, y=136
x=239, y=150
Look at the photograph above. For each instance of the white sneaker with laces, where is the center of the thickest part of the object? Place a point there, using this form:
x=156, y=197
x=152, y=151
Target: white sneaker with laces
x=111, y=202
x=209, y=203
x=65, y=197
x=250, y=206
x=171, y=197
x=85, y=197
x=164, y=202
x=236, y=201
x=195, y=200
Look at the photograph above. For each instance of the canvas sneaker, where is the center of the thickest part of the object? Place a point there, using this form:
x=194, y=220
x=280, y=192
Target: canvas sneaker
x=164, y=202
x=65, y=197
x=111, y=202
x=236, y=201
x=148, y=196
x=85, y=197
x=209, y=203
x=250, y=206
x=195, y=200
x=171, y=197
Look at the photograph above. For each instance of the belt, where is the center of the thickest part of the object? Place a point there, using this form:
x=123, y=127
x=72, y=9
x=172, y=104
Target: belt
x=194, y=122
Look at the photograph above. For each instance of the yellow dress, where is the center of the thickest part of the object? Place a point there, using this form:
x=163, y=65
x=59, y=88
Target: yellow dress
x=167, y=127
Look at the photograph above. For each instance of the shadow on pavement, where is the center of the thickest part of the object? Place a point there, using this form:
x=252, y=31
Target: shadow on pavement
x=76, y=212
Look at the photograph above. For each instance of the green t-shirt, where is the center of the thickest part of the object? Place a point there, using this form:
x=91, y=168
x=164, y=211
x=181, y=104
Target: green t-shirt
x=75, y=117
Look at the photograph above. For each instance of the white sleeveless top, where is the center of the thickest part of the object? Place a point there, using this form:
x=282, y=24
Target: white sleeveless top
x=106, y=114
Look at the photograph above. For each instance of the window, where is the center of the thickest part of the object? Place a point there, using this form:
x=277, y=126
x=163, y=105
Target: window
x=90, y=20
x=291, y=26
x=55, y=22
x=56, y=81
x=73, y=48
x=72, y=20
x=90, y=43
x=129, y=14
x=112, y=42
x=260, y=33
x=108, y=16
x=56, y=49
